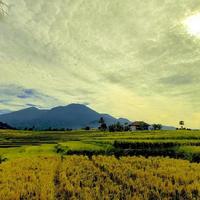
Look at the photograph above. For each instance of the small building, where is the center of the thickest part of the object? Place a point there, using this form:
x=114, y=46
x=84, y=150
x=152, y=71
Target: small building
x=139, y=125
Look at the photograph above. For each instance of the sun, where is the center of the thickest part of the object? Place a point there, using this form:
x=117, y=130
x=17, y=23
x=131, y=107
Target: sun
x=192, y=24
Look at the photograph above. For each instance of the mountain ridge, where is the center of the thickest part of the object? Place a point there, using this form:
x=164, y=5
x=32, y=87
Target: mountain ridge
x=72, y=116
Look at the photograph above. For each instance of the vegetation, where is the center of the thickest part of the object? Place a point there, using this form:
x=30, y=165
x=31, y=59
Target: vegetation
x=118, y=127
x=103, y=125
x=42, y=165
x=157, y=126
x=101, y=177
x=28, y=178
x=178, y=144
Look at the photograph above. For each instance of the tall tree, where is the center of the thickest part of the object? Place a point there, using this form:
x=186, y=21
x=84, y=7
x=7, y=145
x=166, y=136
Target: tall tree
x=101, y=120
x=157, y=126
x=103, y=125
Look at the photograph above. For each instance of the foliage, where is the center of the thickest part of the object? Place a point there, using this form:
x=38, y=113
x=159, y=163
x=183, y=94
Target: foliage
x=103, y=125
x=118, y=127
x=101, y=120
x=144, y=145
x=16, y=143
x=157, y=126
x=163, y=148
x=100, y=177
x=87, y=128
x=61, y=149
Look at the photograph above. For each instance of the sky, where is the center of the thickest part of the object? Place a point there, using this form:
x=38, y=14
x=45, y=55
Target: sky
x=131, y=58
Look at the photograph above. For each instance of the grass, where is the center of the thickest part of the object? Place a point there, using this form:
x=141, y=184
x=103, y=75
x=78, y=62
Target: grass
x=14, y=144
x=83, y=145
x=49, y=149
x=39, y=165
x=190, y=149
x=27, y=151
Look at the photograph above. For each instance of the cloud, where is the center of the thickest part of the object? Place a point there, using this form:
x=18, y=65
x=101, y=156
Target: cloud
x=18, y=96
x=4, y=100
x=31, y=105
x=177, y=80
x=27, y=93
x=60, y=52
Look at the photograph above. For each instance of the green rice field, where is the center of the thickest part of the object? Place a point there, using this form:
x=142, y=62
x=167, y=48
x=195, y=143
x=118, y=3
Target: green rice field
x=179, y=144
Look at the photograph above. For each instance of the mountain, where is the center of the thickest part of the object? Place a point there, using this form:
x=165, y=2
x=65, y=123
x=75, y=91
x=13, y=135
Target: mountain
x=4, y=112
x=72, y=116
x=124, y=121
x=168, y=128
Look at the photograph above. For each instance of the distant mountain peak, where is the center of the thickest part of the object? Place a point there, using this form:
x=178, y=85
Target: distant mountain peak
x=76, y=104
x=27, y=110
x=123, y=120
x=31, y=108
x=73, y=116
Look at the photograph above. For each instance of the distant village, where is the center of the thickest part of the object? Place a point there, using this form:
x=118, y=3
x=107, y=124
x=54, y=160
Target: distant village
x=134, y=126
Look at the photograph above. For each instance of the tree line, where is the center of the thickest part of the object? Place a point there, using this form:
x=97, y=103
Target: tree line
x=121, y=127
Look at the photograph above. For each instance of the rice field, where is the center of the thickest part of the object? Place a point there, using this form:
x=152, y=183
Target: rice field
x=99, y=177
x=183, y=144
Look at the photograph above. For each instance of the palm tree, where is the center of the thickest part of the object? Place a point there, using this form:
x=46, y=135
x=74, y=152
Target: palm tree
x=181, y=123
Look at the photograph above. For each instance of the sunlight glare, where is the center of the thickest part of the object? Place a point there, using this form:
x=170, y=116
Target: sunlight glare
x=192, y=24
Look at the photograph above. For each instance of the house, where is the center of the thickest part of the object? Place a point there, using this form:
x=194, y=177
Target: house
x=139, y=125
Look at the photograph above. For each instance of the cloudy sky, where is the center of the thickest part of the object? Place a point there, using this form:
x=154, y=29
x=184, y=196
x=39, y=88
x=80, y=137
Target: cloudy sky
x=130, y=58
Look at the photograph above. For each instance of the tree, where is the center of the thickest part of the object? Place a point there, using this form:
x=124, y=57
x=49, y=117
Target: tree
x=111, y=128
x=101, y=120
x=157, y=126
x=127, y=128
x=87, y=128
x=103, y=125
x=154, y=126
x=49, y=129
x=182, y=123
x=118, y=127
x=32, y=128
